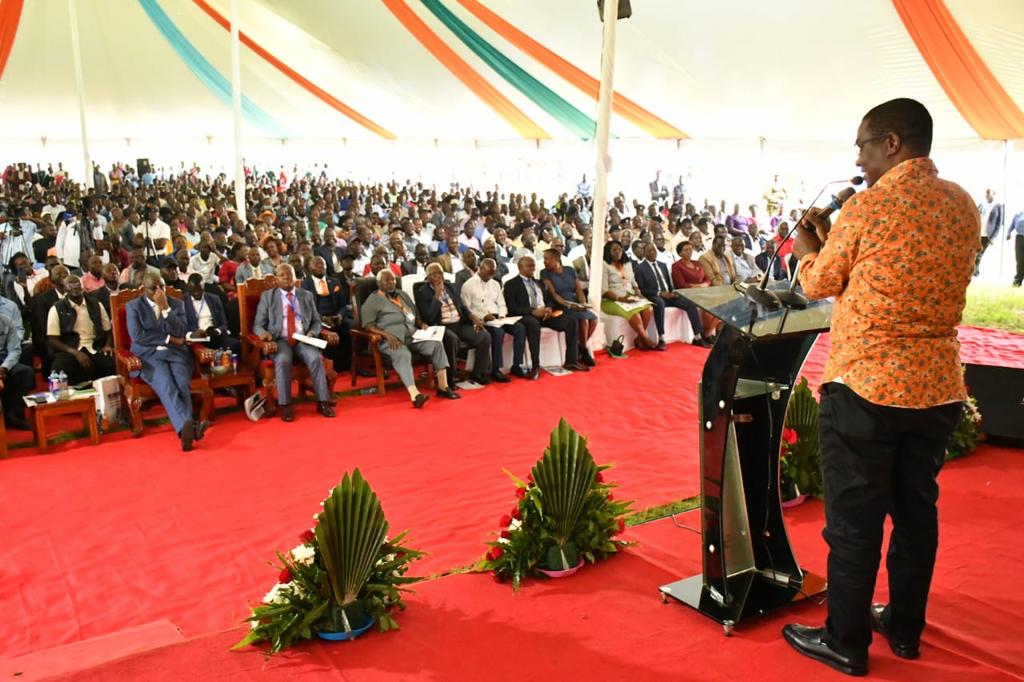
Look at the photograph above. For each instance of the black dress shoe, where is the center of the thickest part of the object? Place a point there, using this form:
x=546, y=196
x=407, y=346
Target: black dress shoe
x=587, y=359
x=907, y=650
x=661, y=345
x=187, y=435
x=419, y=400
x=808, y=641
x=483, y=381
x=576, y=367
x=200, y=429
x=534, y=374
x=287, y=413
x=325, y=409
x=448, y=393
x=500, y=378
x=518, y=371
x=701, y=343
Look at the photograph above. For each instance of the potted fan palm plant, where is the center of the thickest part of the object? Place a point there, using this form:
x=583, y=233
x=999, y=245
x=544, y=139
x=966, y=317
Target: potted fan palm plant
x=800, y=460
x=565, y=515
x=344, y=577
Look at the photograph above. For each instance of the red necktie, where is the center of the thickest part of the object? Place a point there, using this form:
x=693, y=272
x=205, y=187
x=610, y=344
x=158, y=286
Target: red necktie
x=291, y=318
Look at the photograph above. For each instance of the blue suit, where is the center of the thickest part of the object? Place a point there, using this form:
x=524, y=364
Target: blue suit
x=166, y=368
x=647, y=280
x=220, y=321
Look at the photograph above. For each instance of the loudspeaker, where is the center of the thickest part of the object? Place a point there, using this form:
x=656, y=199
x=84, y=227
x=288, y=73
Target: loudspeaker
x=142, y=166
x=1000, y=395
x=625, y=10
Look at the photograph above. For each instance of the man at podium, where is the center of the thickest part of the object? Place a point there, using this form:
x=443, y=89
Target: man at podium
x=898, y=261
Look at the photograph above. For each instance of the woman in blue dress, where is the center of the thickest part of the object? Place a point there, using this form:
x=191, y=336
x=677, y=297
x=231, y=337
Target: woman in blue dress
x=564, y=293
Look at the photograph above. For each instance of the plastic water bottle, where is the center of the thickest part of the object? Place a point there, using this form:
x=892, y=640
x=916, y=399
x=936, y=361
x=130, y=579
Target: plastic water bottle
x=52, y=384
x=62, y=384
x=234, y=363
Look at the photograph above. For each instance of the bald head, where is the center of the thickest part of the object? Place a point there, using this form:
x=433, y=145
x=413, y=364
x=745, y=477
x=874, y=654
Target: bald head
x=285, y=276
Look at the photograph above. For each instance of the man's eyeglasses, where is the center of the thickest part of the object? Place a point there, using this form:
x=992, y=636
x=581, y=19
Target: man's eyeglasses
x=859, y=144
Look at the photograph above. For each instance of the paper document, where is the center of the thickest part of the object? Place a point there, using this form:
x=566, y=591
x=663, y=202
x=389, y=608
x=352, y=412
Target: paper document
x=502, y=321
x=633, y=305
x=311, y=340
x=428, y=334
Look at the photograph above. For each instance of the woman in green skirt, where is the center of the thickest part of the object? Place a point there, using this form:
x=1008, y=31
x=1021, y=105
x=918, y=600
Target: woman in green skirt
x=621, y=297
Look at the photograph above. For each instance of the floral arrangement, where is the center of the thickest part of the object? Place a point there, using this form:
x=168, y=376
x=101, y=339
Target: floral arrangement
x=800, y=456
x=565, y=513
x=344, y=574
x=965, y=436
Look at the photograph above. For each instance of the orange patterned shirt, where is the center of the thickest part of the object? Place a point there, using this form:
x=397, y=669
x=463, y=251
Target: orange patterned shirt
x=898, y=260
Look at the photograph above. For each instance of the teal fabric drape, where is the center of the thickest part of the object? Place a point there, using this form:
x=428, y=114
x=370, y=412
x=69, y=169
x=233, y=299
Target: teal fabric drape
x=574, y=120
x=207, y=74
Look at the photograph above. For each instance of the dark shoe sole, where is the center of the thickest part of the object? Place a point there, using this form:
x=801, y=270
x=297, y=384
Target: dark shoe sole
x=420, y=400
x=852, y=670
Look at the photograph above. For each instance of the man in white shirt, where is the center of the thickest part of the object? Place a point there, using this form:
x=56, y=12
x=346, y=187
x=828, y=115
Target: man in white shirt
x=78, y=331
x=483, y=298
x=205, y=263
x=155, y=236
x=746, y=268
x=583, y=189
x=665, y=255
x=53, y=208
x=73, y=238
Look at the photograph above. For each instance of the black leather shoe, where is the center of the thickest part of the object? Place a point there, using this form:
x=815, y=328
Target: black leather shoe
x=518, y=371
x=587, y=359
x=419, y=400
x=808, y=641
x=200, y=429
x=448, y=393
x=534, y=374
x=500, y=378
x=483, y=381
x=287, y=413
x=325, y=409
x=907, y=650
x=661, y=345
x=187, y=435
x=576, y=367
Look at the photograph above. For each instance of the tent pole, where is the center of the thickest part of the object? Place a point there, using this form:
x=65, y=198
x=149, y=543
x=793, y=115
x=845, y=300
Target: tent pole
x=76, y=58
x=1006, y=175
x=604, y=115
x=236, y=108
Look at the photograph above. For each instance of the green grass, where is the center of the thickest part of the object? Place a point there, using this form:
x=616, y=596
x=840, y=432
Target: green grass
x=995, y=305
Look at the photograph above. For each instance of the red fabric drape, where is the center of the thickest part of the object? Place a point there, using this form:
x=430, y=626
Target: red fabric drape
x=10, y=15
x=960, y=70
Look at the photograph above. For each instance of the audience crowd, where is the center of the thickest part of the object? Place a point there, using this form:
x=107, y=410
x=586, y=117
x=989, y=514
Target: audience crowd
x=484, y=259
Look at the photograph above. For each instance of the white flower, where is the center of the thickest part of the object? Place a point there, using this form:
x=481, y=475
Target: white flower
x=276, y=594
x=516, y=523
x=504, y=540
x=304, y=554
x=386, y=559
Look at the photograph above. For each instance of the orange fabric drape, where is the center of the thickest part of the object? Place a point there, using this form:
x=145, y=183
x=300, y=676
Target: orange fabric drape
x=623, y=106
x=315, y=90
x=465, y=73
x=10, y=16
x=970, y=85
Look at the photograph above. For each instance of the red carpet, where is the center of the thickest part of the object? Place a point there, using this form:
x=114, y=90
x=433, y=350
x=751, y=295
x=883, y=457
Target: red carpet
x=97, y=539
x=607, y=623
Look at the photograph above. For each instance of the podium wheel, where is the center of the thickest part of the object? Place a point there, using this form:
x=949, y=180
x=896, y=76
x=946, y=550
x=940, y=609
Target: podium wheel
x=727, y=627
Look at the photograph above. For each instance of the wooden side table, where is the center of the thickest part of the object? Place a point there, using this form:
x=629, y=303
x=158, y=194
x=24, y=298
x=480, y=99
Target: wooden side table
x=85, y=406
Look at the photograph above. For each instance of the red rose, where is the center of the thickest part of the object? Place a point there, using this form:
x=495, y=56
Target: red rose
x=505, y=522
x=308, y=536
x=505, y=534
x=610, y=497
x=520, y=493
x=529, y=478
x=599, y=478
x=789, y=436
x=622, y=526
x=495, y=553
x=515, y=513
x=285, y=576
x=497, y=577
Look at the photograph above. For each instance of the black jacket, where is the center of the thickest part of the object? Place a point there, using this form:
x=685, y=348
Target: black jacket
x=430, y=308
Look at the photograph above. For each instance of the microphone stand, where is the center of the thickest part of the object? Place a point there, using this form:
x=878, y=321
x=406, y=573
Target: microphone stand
x=791, y=298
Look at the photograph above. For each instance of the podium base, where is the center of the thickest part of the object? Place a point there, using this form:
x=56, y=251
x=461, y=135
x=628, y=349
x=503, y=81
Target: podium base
x=751, y=593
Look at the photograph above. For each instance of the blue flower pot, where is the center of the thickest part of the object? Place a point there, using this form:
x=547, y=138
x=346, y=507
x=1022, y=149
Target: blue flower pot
x=342, y=636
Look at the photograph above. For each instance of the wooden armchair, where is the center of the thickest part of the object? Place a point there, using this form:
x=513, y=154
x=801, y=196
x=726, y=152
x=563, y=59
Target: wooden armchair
x=365, y=350
x=135, y=392
x=258, y=355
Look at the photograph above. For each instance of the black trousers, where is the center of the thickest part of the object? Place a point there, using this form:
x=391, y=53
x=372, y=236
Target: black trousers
x=20, y=381
x=518, y=332
x=879, y=460
x=1018, y=251
x=685, y=304
x=465, y=333
x=985, y=242
x=102, y=366
x=562, y=323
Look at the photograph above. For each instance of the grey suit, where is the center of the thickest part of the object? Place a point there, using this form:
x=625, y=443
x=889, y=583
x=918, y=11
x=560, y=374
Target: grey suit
x=381, y=313
x=270, y=318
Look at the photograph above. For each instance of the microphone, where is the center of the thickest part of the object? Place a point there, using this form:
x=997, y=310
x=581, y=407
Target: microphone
x=760, y=294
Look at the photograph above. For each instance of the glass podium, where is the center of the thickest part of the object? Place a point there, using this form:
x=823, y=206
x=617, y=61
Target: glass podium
x=748, y=564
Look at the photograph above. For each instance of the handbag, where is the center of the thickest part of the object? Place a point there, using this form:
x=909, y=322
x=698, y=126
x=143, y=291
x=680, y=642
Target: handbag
x=617, y=348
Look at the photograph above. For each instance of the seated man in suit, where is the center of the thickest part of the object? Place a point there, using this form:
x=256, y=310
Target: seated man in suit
x=390, y=313
x=717, y=264
x=110, y=275
x=655, y=283
x=16, y=378
x=281, y=313
x=524, y=296
x=331, y=252
x=491, y=251
x=418, y=264
x=332, y=302
x=482, y=296
x=156, y=324
x=205, y=313
x=439, y=304
x=78, y=331
x=778, y=264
